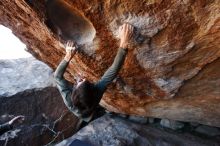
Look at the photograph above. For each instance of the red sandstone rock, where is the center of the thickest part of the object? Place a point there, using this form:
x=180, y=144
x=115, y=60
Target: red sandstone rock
x=173, y=71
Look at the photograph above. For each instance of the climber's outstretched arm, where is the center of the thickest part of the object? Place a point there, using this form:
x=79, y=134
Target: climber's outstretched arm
x=111, y=73
x=62, y=84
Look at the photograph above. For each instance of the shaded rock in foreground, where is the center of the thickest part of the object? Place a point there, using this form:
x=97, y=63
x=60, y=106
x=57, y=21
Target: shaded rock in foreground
x=47, y=118
x=115, y=131
x=171, y=124
x=206, y=130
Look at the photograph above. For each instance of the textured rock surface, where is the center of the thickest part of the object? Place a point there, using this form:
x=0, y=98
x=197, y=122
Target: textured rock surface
x=18, y=75
x=173, y=71
x=47, y=118
x=26, y=88
x=206, y=130
x=114, y=131
x=175, y=125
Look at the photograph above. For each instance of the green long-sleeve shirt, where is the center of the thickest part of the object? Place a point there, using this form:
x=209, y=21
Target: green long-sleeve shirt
x=65, y=87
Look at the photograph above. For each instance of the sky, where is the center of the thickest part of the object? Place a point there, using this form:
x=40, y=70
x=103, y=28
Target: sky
x=10, y=46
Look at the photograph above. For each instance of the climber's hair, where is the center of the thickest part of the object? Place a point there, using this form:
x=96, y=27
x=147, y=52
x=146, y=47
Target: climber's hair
x=83, y=96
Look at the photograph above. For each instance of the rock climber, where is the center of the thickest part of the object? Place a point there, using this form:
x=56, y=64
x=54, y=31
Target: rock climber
x=9, y=125
x=83, y=98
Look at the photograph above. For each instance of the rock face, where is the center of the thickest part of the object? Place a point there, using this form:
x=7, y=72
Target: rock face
x=46, y=118
x=69, y=23
x=18, y=75
x=115, y=131
x=173, y=70
x=175, y=125
x=26, y=88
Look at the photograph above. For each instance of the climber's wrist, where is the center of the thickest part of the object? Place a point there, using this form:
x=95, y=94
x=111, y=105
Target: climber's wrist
x=123, y=45
x=67, y=57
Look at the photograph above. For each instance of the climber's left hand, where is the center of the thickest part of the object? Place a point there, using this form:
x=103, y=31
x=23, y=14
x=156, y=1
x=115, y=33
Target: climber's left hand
x=70, y=50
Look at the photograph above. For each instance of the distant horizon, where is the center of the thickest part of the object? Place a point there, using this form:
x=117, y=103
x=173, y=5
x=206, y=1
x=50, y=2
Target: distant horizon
x=10, y=46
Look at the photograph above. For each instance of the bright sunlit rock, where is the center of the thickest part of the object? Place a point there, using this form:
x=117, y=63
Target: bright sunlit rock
x=10, y=46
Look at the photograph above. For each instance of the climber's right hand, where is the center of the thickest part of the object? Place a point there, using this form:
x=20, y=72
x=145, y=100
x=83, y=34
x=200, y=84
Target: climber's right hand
x=126, y=32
